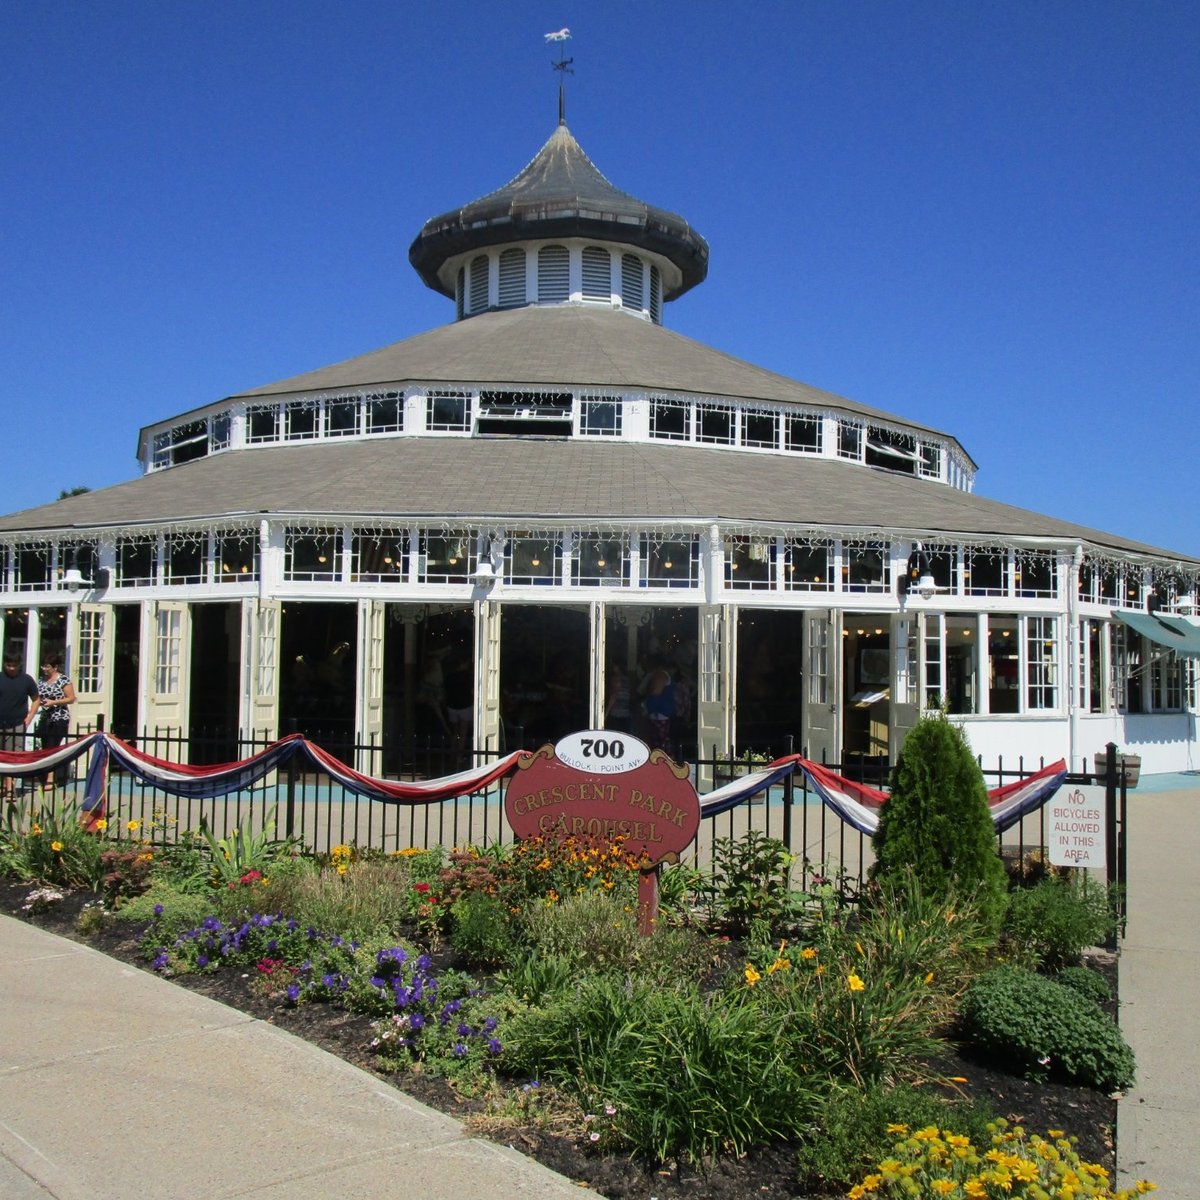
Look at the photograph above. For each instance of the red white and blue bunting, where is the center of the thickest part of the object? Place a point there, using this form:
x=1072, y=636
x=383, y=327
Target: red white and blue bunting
x=855, y=803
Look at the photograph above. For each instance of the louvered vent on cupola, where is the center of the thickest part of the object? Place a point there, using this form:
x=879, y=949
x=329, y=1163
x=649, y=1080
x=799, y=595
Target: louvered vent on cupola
x=479, y=283
x=597, y=274
x=512, y=278
x=554, y=275
x=632, y=291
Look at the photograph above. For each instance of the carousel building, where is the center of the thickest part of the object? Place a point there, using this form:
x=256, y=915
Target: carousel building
x=526, y=521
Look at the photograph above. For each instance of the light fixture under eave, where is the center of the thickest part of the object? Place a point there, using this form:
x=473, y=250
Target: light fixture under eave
x=926, y=586
x=73, y=578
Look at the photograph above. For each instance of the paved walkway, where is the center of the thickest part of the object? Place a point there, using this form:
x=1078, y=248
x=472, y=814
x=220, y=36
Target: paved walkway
x=1158, y=1120
x=114, y=1083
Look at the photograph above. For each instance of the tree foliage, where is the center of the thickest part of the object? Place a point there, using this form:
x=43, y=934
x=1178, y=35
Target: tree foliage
x=936, y=822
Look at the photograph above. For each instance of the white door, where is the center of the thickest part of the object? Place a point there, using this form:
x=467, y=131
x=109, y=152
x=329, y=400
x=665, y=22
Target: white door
x=92, y=662
x=368, y=704
x=821, y=736
x=259, y=705
x=170, y=653
x=713, y=711
x=906, y=681
x=488, y=733
x=599, y=656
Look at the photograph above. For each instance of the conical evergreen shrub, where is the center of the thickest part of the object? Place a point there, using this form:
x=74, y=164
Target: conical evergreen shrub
x=936, y=822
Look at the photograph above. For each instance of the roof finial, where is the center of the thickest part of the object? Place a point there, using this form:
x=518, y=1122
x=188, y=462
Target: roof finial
x=563, y=67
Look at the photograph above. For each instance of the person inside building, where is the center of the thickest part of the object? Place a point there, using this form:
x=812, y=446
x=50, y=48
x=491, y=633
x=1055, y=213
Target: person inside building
x=19, y=703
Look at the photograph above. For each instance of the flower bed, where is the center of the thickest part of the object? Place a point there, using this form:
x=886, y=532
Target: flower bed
x=762, y=1042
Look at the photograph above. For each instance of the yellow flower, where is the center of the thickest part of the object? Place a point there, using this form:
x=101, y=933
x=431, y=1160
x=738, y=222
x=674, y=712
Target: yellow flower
x=894, y=1128
x=56, y=847
x=808, y=952
x=943, y=1187
x=35, y=830
x=752, y=976
x=929, y=977
x=854, y=983
x=780, y=964
x=858, y=947
x=133, y=826
x=102, y=824
x=341, y=868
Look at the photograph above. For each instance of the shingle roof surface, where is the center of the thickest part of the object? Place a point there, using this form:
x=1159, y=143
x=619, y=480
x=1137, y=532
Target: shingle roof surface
x=522, y=479
x=566, y=346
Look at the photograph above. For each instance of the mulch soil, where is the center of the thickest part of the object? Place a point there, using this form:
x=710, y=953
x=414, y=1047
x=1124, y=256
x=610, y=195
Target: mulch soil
x=767, y=1174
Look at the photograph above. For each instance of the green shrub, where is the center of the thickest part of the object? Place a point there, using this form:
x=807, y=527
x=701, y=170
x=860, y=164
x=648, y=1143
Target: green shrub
x=1051, y=924
x=482, y=929
x=1087, y=983
x=668, y=1073
x=855, y=1128
x=1041, y=1028
x=936, y=820
x=750, y=882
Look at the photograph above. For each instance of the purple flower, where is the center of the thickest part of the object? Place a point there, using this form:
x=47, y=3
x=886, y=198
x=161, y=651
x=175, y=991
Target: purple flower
x=160, y=960
x=293, y=992
x=158, y=910
x=493, y=1046
x=202, y=960
x=490, y=1024
x=416, y=1021
x=460, y=1050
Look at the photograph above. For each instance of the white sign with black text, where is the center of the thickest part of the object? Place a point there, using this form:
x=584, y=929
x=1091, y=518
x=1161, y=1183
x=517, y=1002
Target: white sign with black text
x=1077, y=831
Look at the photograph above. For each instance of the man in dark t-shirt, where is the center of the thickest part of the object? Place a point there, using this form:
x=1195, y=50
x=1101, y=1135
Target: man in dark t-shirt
x=17, y=690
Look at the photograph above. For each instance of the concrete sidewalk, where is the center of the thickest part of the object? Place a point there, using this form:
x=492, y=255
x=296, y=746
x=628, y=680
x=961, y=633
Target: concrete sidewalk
x=1158, y=1120
x=116, y=1084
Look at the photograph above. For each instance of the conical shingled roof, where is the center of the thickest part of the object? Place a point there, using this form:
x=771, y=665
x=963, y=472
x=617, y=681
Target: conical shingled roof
x=560, y=194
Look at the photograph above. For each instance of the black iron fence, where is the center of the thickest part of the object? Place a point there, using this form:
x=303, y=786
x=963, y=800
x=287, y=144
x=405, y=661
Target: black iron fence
x=320, y=814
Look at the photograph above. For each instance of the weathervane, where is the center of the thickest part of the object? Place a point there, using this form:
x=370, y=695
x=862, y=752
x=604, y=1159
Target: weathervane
x=563, y=67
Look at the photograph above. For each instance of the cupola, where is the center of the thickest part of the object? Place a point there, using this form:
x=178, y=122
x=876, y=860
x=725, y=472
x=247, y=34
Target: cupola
x=559, y=232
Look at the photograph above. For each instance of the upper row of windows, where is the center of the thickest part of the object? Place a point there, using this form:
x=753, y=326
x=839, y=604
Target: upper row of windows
x=556, y=274
x=399, y=555
x=563, y=414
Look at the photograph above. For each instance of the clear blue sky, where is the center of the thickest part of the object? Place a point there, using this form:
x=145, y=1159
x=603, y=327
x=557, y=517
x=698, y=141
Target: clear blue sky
x=981, y=215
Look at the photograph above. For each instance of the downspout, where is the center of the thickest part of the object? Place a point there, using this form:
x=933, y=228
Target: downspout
x=1075, y=661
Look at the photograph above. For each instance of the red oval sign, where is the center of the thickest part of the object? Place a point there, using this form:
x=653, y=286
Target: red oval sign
x=653, y=807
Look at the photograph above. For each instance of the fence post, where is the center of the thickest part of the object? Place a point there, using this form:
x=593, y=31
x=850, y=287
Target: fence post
x=1110, y=836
